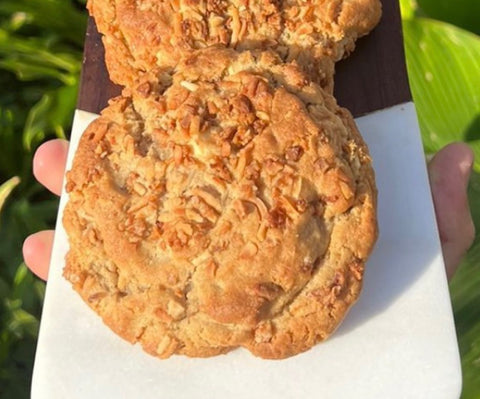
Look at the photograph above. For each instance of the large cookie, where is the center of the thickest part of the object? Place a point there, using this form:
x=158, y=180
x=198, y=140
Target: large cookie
x=229, y=204
x=143, y=34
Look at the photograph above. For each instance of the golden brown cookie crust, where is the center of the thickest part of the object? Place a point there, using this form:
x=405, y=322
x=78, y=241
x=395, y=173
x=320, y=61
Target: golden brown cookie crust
x=231, y=204
x=142, y=34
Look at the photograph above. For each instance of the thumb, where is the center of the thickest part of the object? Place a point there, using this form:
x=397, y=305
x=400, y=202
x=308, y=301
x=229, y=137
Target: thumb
x=449, y=172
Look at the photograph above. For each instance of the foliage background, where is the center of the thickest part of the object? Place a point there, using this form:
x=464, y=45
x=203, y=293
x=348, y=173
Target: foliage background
x=40, y=58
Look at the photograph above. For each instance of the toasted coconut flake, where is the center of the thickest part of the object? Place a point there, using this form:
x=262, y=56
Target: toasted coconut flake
x=194, y=216
x=262, y=208
x=289, y=207
x=189, y=85
x=139, y=188
x=209, y=198
x=262, y=115
x=240, y=208
x=202, y=258
x=241, y=163
x=166, y=346
x=262, y=232
x=236, y=26
x=346, y=190
x=175, y=310
x=297, y=187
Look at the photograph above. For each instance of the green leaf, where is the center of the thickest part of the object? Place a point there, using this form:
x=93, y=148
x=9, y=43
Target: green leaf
x=63, y=106
x=26, y=71
x=37, y=122
x=444, y=71
x=22, y=323
x=23, y=289
x=41, y=51
x=462, y=13
x=39, y=287
x=40, y=61
x=59, y=16
x=50, y=115
x=408, y=8
x=20, y=276
x=6, y=188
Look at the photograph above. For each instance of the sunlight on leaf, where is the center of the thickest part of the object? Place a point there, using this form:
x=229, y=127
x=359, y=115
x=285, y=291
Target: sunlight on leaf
x=50, y=115
x=37, y=122
x=6, y=188
x=20, y=276
x=408, y=8
x=444, y=71
x=37, y=51
x=27, y=71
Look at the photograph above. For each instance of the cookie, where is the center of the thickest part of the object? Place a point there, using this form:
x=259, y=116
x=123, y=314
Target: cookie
x=141, y=35
x=229, y=204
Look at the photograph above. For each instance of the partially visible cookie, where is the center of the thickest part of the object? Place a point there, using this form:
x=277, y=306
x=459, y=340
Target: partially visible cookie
x=319, y=30
x=229, y=204
x=142, y=34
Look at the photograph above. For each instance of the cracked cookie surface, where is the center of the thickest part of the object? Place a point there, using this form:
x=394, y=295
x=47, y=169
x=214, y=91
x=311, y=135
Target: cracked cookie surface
x=142, y=34
x=231, y=204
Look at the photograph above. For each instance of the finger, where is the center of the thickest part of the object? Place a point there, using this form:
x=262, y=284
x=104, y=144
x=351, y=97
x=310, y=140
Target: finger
x=37, y=250
x=449, y=172
x=49, y=164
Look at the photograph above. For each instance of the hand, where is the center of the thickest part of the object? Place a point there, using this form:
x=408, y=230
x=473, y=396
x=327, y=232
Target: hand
x=449, y=172
x=48, y=167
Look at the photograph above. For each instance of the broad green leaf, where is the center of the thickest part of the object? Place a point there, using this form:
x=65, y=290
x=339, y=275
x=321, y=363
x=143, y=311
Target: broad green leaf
x=444, y=71
x=408, y=8
x=462, y=13
x=6, y=188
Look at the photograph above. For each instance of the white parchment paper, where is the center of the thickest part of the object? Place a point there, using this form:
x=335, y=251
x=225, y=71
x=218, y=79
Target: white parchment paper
x=398, y=341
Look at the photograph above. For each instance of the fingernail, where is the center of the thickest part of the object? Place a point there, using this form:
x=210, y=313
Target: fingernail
x=466, y=166
x=469, y=156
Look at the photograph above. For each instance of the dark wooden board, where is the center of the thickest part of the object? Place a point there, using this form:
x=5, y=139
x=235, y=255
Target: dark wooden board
x=374, y=77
